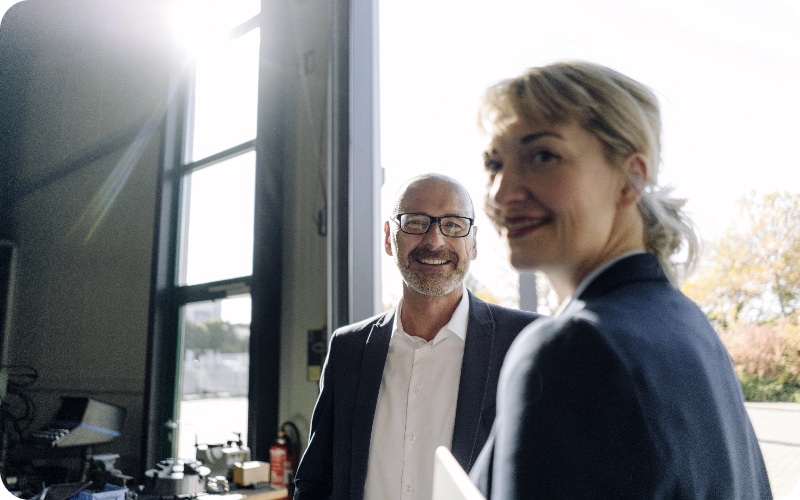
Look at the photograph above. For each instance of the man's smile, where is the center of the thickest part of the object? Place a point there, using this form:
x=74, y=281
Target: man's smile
x=429, y=257
x=434, y=262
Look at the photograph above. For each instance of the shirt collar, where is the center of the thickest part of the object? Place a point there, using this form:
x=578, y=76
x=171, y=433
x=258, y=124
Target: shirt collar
x=457, y=324
x=585, y=282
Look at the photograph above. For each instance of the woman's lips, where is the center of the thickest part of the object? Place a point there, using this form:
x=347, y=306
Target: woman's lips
x=517, y=227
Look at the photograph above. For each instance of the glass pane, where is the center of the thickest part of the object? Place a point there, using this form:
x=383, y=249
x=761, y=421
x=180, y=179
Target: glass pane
x=215, y=364
x=218, y=221
x=226, y=94
x=675, y=39
x=200, y=24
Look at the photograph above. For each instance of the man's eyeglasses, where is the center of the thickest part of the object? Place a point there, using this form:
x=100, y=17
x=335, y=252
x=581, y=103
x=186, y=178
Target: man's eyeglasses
x=454, y=227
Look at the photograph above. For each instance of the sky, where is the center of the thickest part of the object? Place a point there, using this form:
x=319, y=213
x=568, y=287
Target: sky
x=726, y=73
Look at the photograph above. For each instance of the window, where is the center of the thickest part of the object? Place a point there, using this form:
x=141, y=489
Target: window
x=215, y=365
x=216, y=235
x=428, y=125
x=208, y=206
x=725, y=77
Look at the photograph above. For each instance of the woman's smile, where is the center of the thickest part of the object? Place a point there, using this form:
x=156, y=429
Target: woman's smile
x=519, y=226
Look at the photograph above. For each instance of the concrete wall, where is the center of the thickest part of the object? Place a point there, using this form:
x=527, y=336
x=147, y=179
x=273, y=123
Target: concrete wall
x=304, y=253
x=89, y=73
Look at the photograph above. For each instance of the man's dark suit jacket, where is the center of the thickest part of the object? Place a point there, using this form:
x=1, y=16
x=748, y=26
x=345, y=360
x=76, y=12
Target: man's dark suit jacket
x=628, y=393
x=335, y=463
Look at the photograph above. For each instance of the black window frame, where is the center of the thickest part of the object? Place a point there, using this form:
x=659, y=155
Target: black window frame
x=263, y=285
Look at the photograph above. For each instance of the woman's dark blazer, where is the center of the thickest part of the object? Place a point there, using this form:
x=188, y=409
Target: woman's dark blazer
x=628, y=393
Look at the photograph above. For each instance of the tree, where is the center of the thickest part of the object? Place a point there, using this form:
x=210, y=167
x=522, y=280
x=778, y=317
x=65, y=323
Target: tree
x=479, y=289
x=755, y=268
x=215, y=335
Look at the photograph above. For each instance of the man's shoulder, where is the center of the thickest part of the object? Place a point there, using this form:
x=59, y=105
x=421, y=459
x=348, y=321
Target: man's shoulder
x=513, y=314
x=505, y=313
x=364, y=326
x=504, y=321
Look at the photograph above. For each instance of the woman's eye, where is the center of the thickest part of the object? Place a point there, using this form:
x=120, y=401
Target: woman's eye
x=492, y=166
x=543, y=156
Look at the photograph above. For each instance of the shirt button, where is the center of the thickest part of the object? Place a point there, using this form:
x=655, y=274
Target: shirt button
x=411, y=437
x=423, y=349
x=416, y=390
x=409, y=488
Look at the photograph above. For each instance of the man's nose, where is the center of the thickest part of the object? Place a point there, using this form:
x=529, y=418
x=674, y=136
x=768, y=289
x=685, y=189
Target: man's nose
x=434, y=236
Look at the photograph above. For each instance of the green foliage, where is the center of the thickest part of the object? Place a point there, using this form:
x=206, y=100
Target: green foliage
x=749, y=286
x=768, y=389
x=766, y=357
x=216, y=335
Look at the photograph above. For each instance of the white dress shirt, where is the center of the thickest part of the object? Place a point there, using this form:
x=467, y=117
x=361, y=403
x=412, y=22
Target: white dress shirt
x=416, y=409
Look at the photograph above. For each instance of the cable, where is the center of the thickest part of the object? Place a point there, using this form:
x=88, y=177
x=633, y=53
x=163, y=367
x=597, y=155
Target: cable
x=25, y=374
x=18, y=409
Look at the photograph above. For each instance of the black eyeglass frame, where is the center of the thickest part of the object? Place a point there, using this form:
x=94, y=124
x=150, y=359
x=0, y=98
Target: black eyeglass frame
x=437, y=220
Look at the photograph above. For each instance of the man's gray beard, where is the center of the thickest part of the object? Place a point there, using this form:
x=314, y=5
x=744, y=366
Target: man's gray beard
x=434, y=285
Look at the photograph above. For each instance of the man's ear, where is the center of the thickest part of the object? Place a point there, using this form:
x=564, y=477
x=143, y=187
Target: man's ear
x=387, y=236
x=634, y=168
x=473, y=254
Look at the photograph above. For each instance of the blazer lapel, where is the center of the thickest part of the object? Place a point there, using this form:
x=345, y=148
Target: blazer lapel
x=474, y=376
x=372, y=364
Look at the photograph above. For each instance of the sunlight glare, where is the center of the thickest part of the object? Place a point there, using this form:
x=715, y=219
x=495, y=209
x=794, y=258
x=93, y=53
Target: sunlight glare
x=200, y=25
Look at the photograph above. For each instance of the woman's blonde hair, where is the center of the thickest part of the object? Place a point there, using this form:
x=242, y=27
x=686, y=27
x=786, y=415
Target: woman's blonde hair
x=624, y=115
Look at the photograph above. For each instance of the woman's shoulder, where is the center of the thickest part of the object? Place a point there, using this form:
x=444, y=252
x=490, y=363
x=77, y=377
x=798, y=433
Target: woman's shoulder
x=550, y=338
x=565, y=362
x=649, y=348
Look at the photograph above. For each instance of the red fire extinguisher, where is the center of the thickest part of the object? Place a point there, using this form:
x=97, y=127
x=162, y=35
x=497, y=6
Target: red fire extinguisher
x=278, y=458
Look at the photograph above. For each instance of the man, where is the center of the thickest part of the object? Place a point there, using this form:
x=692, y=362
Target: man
x=423, y=375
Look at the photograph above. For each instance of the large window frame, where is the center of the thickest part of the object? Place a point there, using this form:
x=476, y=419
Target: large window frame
x=354, y=226
x=355, y=174
x=263, y=285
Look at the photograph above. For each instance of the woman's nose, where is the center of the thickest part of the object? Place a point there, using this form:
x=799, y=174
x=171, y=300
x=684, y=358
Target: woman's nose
x=505, y=188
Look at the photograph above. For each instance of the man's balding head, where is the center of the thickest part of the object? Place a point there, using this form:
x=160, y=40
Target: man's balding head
x=433, y=184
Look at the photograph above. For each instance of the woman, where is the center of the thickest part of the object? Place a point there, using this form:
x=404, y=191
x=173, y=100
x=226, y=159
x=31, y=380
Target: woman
x=627, y=392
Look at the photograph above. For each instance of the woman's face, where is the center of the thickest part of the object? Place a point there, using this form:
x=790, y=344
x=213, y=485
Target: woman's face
x=555, y=198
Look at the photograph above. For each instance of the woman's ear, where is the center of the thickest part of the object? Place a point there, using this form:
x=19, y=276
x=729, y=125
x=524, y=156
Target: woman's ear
x=634, y=167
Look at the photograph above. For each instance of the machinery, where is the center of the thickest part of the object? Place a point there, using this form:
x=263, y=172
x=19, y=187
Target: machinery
x=81, y=422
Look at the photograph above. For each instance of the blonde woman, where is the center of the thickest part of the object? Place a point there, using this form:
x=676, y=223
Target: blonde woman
x=627, y=392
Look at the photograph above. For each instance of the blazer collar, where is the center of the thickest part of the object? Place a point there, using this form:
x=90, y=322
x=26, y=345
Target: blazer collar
x=474, y=377
x=458, y=323
x=638, y=267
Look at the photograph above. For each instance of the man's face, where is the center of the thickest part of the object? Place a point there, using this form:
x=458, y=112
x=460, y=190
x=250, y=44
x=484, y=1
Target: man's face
x=432, y=263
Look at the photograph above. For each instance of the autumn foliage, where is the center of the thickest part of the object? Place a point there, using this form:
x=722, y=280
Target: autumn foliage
x=766, y=357
x=749, y=286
